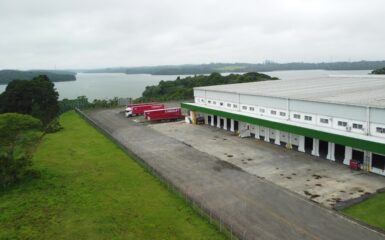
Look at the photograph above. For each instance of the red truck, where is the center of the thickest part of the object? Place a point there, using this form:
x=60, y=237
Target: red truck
x=139, y=109
x=163, y=114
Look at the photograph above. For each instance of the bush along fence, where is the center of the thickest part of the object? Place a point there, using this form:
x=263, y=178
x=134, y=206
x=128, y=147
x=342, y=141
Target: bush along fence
x=83, y=103
x=220, y=220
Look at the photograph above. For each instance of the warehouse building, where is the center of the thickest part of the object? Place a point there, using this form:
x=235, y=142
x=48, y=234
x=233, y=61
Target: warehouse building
x=336, y=118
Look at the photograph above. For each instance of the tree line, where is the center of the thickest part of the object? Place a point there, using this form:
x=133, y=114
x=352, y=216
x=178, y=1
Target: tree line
x=267, y=66
x=182, y=88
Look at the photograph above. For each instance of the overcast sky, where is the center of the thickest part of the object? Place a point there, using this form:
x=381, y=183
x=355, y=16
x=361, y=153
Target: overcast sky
x=93, y=33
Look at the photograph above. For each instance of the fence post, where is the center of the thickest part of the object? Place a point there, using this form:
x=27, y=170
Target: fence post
x=220, y=224
x=210, y=216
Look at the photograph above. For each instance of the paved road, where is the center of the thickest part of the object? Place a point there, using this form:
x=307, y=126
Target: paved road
x=252, y=206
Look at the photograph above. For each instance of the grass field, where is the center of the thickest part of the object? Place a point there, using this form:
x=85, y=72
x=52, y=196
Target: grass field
x=371, y=211
x=90, y=189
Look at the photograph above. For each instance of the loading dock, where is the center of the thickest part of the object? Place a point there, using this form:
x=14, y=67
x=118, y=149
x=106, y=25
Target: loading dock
x=323, y=148
x=308, y=145
x=236, y=126
x=339, y=153
x=378, y=161
x=228, y=124
x=358, y=155
x=221, y=123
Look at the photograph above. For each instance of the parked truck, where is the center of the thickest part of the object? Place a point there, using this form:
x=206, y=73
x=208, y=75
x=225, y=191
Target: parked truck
x=139, y=109
x=163, y=114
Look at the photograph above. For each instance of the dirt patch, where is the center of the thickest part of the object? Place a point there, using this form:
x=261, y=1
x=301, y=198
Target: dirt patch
x=316, y=176
x=311, y=195
x=220, y=165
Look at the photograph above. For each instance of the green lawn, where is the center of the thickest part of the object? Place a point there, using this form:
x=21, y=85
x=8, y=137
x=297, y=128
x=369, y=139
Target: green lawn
x=90, y=189
x=371, y=211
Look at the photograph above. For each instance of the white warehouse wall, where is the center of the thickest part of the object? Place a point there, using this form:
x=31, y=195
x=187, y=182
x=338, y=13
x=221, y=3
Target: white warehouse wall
x=278, y=103
x=329, y=109
x=377, y=115
x=222, y=96
x=310, y=112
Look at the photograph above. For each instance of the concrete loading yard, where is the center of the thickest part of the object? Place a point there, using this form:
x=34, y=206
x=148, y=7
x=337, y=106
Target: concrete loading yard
x=320, y=180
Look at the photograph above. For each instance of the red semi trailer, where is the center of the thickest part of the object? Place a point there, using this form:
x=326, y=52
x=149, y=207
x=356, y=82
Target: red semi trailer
x=139, y=109
x=163, y=114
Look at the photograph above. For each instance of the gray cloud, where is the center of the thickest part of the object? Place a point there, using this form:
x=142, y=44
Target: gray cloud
x=86, y=34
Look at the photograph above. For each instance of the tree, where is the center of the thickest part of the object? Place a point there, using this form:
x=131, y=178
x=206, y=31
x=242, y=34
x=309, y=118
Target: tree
x=18, y=133
x=36, y=97
x=182, y=88
x=379, y=71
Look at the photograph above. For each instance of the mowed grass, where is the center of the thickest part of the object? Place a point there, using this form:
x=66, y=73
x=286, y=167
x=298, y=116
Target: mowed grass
x=90, y=189
x=371, y=211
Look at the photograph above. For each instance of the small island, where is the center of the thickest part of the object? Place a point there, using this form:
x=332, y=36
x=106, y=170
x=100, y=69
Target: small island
x=379, y=71
x=7, y=76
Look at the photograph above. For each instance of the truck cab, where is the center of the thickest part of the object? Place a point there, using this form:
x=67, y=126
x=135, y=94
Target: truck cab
x=128, y=111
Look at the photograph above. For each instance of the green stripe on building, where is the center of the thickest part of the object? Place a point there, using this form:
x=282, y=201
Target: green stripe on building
x=329, y=137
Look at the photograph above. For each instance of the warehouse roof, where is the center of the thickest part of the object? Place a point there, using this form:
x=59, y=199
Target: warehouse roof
x=352, y=90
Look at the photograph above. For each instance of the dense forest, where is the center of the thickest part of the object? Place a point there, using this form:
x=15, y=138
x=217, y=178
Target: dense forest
x=379, y=71
x=7, y=76
x=182, y=88
x=239, y=67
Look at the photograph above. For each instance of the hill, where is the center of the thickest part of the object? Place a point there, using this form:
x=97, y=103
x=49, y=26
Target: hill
x=182, y=88
x=7, y=76
x=379, y=71
x=191, y=69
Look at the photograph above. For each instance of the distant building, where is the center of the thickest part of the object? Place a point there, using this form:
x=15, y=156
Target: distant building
x=337, y=118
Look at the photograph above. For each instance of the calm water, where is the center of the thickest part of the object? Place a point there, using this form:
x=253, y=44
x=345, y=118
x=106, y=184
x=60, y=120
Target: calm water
x=108, y=85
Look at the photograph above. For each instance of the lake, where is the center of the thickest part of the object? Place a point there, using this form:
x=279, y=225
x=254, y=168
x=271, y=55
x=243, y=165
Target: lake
x=109, y=85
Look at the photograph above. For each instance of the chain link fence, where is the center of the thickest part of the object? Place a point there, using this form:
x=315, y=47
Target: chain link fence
x=217, y=218
x=83, y=103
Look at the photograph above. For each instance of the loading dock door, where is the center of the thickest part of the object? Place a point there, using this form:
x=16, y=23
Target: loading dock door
x=323, y=148
x=358, y=155
x=308, y=145
x=236, y=125
x=262, y=133
x=228, y=123
x=378, y=161
x=339, y=154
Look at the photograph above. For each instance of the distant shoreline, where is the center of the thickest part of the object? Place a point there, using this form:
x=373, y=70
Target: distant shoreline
x=6, y=76
x=50, y=79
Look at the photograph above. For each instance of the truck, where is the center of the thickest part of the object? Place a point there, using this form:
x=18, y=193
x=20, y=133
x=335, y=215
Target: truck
x=163, y=114
x=139, y=109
